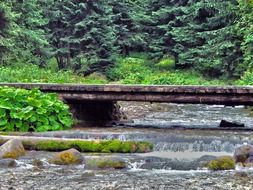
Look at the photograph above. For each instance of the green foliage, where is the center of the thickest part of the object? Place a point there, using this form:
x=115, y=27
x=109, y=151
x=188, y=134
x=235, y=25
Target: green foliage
x=82, y=29
x=212, y=37
x=32, y=73
x=199, y=35
x=129, y=67
x=23, y=110
x=25, y=37
x=246, y=79
x=137, y=71
x=245, y=30
x=110, y=146
x=166, y=63
x=222, y=163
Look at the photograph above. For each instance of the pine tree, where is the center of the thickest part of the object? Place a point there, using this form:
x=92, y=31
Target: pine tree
x=24, y=39
x=244, y=29
x=198, y=34
x=82, y=35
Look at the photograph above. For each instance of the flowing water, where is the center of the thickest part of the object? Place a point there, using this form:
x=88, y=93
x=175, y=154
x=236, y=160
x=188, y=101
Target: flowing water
x=174, y=163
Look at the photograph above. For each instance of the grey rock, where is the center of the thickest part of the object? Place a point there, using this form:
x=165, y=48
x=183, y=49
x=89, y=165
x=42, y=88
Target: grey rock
x=7, y=163
x=12, y=149
x=243, y=154
x=67, y=157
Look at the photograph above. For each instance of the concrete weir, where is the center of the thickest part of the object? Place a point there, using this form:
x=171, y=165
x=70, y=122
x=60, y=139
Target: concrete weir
x=97, y=102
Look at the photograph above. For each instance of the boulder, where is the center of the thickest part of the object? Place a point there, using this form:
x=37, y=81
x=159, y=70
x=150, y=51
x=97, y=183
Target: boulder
x=244, y=154
x=222, y=163
x=174, y=164
x=67, y=157
x=228, y=124
x=105, y=163
x=12, y=149
x=8, y=163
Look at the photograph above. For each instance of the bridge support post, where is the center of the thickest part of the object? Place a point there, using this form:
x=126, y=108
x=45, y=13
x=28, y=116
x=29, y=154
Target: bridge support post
x=95, y=112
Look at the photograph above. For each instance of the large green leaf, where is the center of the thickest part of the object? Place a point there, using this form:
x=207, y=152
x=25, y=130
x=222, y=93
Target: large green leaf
x=2, y=113
x=25, y=110
x=3, y=122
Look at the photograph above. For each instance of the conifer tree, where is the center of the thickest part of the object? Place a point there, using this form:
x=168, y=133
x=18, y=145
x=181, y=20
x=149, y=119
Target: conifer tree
x=198, y=34
x=25, y=38
x=82, y=34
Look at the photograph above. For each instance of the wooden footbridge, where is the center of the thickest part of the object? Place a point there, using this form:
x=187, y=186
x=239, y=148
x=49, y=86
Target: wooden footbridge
x=98, y=102
x=219, y=95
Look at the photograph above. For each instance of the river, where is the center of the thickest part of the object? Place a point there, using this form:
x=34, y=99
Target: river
x=174, y=163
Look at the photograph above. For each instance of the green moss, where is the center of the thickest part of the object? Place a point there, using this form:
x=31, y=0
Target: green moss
x=116, y=164
x=110, y=146
x=222, y=163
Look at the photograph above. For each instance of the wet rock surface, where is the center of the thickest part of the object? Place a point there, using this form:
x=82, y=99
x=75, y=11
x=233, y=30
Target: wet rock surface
x=105, y=163
x=67, y=157
x=8, y=163
x=174, y=164
x=69, y=178
x=244, y=154
x=12, y=149
x=227, y=124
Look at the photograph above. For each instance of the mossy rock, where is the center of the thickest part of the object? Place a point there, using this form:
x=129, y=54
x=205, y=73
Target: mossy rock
x=107, y=146
x=67, y=157
x=116, y=164
x=108, y=163
x=222, y=163
x=12, y=149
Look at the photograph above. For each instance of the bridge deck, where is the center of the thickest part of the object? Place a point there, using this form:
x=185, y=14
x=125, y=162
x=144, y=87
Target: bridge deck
x=224, y=95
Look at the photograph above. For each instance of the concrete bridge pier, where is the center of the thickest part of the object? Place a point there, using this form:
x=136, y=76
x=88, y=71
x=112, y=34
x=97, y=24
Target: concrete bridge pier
x=95, y=112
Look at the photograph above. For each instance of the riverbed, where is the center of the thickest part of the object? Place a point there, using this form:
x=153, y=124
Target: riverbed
x=173, y=164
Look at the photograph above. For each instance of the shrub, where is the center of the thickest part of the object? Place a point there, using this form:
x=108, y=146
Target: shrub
x=246, y=79
x=166, y=64
x=139, y=71
x=32, y=110
x=131, y=68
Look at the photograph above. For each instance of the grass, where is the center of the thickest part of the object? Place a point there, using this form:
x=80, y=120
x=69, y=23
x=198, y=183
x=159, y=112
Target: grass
x=141, y=71
x=127, y=70
x=34, y=74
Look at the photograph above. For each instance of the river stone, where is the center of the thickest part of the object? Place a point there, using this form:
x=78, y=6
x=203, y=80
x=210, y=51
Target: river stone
x=105, y=163
x=244, y=154
x=12, y=149
x=228, y=124
x=7, y=163
x=67, y=157
x=175, y=164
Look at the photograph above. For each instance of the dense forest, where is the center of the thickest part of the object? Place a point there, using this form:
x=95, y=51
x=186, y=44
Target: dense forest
x=131, y=40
